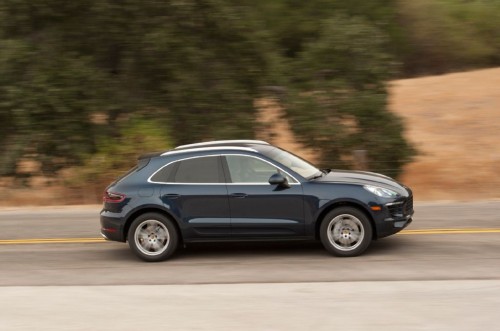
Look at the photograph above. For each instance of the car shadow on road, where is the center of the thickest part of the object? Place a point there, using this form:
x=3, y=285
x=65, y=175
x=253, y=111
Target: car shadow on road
x=253, y=248
x=285, y=249
x=121, y=252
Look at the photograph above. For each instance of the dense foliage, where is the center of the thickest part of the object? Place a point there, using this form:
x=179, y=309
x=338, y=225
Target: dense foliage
x=450, y=35
x=76, y=77
x=63, y=64
x=426, y=36
x=340, y=102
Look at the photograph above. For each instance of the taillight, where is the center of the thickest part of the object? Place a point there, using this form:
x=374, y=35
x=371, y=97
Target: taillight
x=113, y=197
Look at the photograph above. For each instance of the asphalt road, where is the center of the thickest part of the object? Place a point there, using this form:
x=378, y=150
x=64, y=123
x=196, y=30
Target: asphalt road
x=446, y=277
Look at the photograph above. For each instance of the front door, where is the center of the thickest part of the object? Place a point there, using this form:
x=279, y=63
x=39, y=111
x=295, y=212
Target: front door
x=259, y=209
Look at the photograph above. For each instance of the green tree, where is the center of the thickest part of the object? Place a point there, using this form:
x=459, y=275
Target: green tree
x=197, y=63
x=72, y=72
x=450, y=35
x=339, y=104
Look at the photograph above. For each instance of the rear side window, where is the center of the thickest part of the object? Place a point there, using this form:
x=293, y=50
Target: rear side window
x=200, y=170
x=196, y=170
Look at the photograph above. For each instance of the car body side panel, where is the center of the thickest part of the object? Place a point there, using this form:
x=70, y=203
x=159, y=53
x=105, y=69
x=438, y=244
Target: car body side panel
x=203, y=210
x=266, y=210
x=320, y=197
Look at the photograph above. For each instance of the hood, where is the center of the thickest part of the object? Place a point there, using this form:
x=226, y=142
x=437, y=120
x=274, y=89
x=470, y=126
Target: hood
x=363, y=178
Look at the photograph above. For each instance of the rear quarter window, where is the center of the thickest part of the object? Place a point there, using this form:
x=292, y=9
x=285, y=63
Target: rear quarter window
x=140, y=164
x=165, y=174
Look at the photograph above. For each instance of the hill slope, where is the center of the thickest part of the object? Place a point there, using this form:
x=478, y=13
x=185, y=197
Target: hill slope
x=454, y=121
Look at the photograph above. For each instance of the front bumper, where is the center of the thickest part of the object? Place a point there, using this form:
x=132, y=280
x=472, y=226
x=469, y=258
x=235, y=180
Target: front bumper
x=396, y=216
x=388, y=227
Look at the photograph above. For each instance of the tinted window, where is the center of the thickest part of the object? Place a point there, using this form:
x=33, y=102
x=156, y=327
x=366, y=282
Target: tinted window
x=244, y=169
x=199, y=170
x=165, y=174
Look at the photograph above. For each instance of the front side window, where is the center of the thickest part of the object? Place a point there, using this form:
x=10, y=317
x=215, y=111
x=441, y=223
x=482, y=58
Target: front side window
x=245, y=169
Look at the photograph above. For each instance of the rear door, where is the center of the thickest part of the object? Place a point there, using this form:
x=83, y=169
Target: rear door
x=259, y=209
x=195, y=191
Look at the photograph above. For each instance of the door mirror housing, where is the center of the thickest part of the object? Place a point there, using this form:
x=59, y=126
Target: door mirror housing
x=279, y=179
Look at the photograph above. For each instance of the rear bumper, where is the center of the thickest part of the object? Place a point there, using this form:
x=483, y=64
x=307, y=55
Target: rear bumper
x=112, y=226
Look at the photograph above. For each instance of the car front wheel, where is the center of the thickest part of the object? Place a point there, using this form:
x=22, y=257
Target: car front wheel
x=346, y=231
x=152, y=237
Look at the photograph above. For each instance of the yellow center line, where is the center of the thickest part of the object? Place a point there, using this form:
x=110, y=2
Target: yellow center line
x=101, y=240
x=451, y=231
x=51, y=241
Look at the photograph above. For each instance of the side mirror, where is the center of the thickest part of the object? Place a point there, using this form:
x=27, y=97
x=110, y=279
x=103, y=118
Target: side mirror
x=279, y=179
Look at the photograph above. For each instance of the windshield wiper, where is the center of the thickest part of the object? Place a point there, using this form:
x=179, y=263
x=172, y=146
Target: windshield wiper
x=320, y=174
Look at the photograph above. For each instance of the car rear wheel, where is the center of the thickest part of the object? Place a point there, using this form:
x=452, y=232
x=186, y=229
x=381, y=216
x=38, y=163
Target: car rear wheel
x=346, y=231
x=153, y=237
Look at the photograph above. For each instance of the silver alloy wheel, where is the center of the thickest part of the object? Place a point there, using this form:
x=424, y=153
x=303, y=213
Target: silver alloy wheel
x=152, y=237
x=345, y=232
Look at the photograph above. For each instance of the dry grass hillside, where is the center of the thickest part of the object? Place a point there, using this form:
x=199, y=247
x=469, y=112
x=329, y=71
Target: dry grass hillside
x=275, y=129
x=454, y=121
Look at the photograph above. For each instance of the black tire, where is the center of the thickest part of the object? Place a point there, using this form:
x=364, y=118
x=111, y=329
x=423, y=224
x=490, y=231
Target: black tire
x=346, y=232
x=153, y=237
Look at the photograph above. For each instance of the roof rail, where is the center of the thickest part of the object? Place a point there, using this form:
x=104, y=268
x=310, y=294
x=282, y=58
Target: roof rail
x=200, y=149
x=222, y=142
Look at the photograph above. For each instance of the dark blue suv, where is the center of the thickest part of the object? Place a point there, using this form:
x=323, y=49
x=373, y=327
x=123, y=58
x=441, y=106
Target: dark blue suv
x=239, y=190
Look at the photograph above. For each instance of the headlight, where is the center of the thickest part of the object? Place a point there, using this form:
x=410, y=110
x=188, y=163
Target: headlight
x=380, y=191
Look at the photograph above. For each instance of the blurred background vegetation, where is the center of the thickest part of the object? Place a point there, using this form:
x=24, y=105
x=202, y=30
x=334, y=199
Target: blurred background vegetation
x=86, y=86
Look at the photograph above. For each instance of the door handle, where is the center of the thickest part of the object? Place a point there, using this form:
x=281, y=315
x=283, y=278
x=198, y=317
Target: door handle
x=239, y=195
x=171, y=196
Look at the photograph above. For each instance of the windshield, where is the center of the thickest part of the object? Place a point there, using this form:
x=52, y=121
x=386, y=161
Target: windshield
x=300, y=166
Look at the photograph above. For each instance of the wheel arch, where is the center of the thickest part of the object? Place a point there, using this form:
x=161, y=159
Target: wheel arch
x=359, y=206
